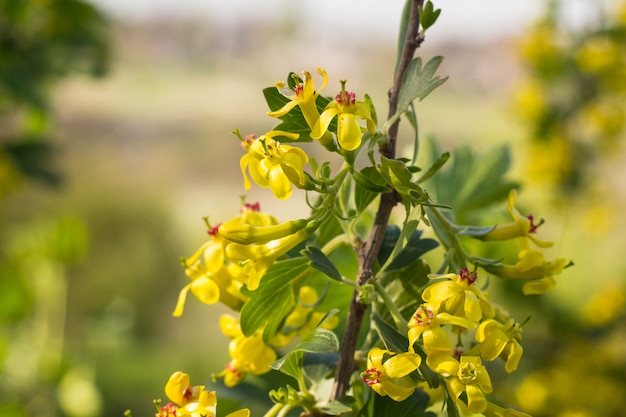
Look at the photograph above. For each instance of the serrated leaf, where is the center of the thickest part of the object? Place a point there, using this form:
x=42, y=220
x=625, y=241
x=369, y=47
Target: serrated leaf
x=428, y=15
x=399, y=177
x=418, y=82
x=273, y=299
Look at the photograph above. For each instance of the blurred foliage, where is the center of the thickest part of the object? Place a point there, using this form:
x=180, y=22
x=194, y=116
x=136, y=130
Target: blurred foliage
x=40, y=43
x=574, y=97
x=573, y=103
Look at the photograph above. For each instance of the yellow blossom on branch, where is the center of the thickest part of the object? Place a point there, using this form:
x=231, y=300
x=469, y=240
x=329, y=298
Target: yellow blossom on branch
x=531, y=267
x=347, y=109
x=499, y=340
x=468, y=375
x=273, y=165
x=426, y=322
x=249, y=354
x=303, y=96
x=522, y=226
x=458, y=296
x=387, y=373
x=188, y=401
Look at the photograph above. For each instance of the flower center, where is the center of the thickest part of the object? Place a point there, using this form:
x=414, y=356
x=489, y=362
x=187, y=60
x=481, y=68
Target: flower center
x=467, y=372
x=466, y=275
x=423, y=316
x=371, y=376
x=168, y=410
x=213, y=231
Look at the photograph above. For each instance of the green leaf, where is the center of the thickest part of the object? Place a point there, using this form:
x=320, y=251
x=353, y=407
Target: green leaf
x=274, y=299
x=474, y=231
x=436, y=166
x=321, y=262
x=417, y=83
x=393, y=340
x=408, y=228
x=335, y=408
x=318, y=341
x=370, y=179
x=428, y=15
x=293, y=121
x=415, y=248
x=399, y=177
x=414, y=406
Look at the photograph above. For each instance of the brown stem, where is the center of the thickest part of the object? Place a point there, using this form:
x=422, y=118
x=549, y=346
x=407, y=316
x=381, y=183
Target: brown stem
x=368, y=252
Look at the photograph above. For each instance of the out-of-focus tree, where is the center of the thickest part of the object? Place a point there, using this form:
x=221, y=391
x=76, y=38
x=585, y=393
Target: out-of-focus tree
x=41, y=42
x=574, y=98
x=574, y=104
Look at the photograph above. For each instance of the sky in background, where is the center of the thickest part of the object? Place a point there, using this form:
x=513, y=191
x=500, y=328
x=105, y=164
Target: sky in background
x=477, y=20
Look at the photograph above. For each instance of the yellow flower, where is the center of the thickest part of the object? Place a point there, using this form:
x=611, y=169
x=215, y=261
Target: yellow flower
x=498, y=339
x=302, y=319
x=387, y=373
x=212, y=278
x=427, y=322
x=249, y=354
x=347, y=110
x=191, y=401
x=303, y=96
x=459, y=297
x=272, y=165
x=257, y=258
x=533, y=267
x=522, y=226
x=467, y=375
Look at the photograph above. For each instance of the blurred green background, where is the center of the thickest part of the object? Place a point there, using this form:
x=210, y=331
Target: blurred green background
x=115, y=141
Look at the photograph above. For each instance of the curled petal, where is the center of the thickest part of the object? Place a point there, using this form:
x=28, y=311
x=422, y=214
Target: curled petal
x=283, y=110
x=180, y=304
x=321, y=126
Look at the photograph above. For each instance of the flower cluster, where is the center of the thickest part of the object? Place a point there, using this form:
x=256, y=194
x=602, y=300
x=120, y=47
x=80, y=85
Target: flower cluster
x=251, y=355
x=188, y=401
x=238, y=253
x=452, y=306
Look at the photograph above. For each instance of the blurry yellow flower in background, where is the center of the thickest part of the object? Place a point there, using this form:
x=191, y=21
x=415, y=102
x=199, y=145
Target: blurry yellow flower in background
x=249, y=354
x=522, y=226
x=531, y=267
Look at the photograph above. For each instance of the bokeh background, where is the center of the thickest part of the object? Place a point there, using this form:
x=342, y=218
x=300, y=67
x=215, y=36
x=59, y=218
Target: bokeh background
x=115, y=142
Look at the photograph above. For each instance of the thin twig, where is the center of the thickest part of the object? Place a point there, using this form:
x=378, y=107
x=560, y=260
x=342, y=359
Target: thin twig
x=368, y=252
